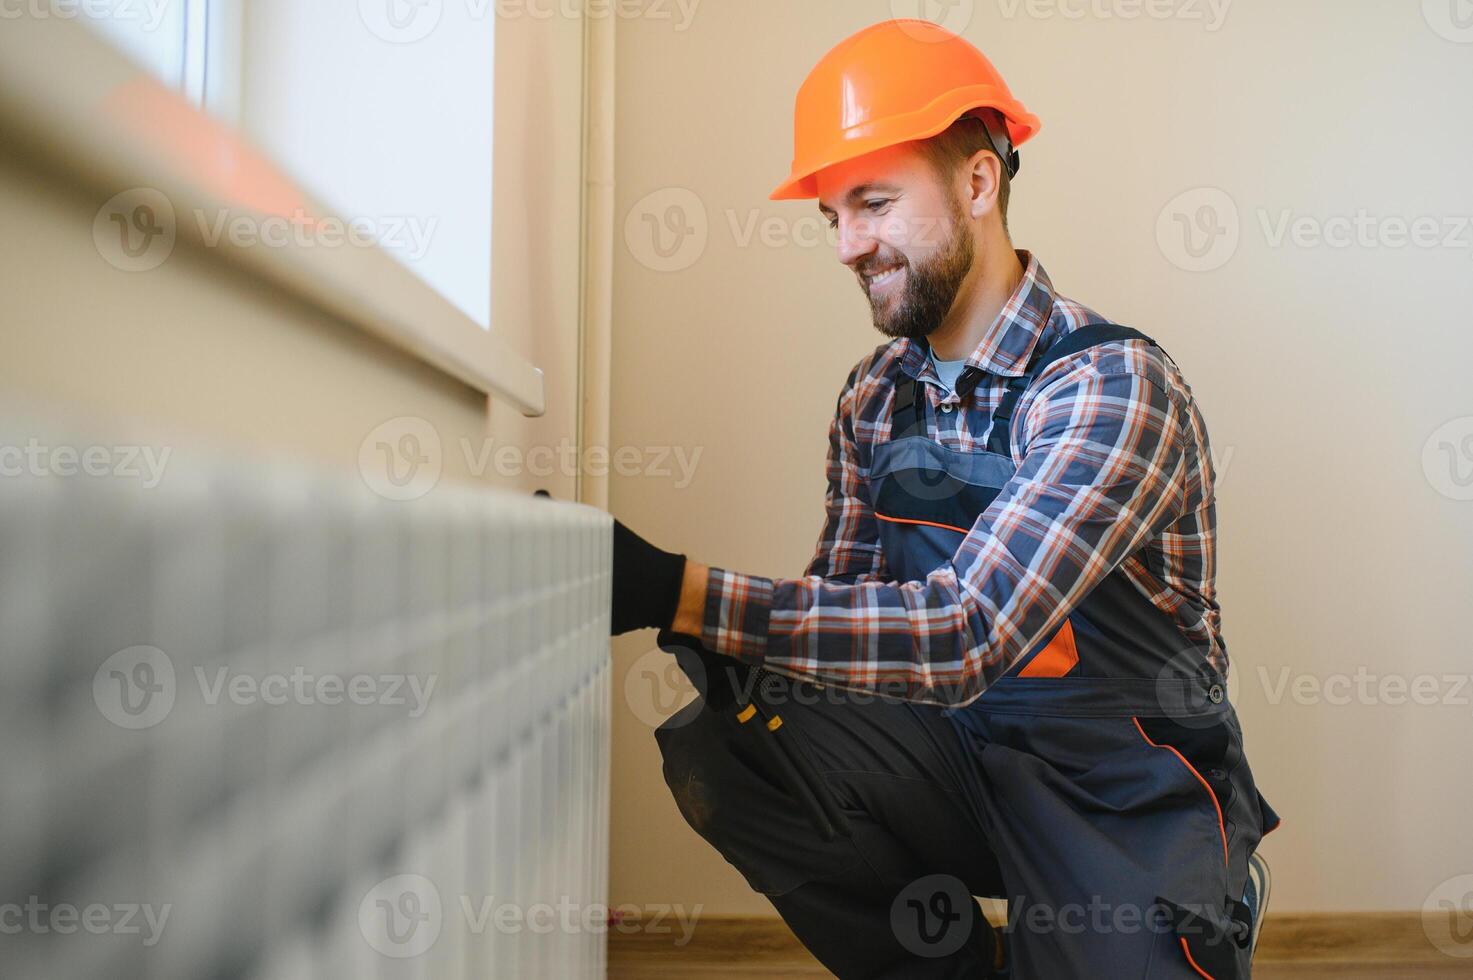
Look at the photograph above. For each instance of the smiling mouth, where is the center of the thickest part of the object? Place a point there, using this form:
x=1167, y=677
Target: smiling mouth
x=882, y=277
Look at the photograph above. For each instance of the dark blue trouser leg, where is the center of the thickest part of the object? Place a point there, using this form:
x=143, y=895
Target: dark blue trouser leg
x=866, y=906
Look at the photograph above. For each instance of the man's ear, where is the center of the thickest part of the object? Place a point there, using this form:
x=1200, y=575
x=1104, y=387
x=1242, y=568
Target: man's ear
x=984, y=183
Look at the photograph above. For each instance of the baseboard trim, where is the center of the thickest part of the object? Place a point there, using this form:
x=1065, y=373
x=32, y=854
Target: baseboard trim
x=1347, y=937
x=1309, y=937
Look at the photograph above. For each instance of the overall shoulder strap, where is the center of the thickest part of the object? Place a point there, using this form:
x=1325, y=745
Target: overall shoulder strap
x=908, y=411
x=1091, y=335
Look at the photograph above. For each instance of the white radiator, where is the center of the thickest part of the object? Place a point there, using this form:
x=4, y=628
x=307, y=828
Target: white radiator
x=261, y=723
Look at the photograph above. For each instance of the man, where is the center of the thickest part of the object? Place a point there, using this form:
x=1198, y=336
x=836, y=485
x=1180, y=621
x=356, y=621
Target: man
x=1019, y=554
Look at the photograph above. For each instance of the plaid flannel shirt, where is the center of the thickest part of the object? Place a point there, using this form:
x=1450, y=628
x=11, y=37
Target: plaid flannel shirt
x=1113, y=470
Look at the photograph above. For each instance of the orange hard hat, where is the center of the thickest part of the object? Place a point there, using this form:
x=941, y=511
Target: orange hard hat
x=896, y=81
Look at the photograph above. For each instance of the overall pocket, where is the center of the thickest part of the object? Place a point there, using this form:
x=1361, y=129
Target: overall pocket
x=1210, y=926
x=1210, y=753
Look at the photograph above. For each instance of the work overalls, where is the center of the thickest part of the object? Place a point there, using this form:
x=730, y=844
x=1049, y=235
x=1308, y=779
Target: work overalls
x=1105, y=772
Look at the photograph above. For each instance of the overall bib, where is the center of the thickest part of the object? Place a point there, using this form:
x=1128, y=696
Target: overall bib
x=1107, y=764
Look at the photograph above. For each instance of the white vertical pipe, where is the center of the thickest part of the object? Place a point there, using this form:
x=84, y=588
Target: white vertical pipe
x=596, y=321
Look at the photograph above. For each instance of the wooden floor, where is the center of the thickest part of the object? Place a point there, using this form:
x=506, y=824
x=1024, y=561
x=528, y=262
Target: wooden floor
x=629, y=968
x=713, y=969
x=1347, y=947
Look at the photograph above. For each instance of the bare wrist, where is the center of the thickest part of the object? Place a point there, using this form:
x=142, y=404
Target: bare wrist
x=690, y=614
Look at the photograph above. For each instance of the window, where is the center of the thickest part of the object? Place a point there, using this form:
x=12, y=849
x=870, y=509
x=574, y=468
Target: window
x=381, y=110
x=169, y=38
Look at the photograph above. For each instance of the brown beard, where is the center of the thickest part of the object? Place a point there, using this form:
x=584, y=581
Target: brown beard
x=930, y=288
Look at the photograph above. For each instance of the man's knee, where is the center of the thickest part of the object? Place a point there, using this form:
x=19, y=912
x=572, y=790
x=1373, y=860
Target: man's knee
x=733, y=806
x=739, y=805
x=690, y=747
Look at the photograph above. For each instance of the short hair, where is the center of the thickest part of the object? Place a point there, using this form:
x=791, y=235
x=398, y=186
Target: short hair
x=959, y=142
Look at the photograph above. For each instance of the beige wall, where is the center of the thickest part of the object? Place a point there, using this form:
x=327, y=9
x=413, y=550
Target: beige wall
x=1322, y=371
x=202, y=352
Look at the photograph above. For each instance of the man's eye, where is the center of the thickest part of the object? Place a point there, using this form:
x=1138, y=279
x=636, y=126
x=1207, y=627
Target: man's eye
x=834, y=221
x=877, y=204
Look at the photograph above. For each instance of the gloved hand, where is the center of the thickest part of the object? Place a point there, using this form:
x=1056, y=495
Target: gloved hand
x=646, y=583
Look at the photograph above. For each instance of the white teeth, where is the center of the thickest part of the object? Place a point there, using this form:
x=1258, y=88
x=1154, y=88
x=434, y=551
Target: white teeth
x=883, y=278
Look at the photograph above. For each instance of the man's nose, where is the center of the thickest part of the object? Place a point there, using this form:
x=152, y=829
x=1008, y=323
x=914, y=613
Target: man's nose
x=856, y=241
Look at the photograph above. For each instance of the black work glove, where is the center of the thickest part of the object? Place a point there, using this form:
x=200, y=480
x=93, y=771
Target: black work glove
x=646, y=583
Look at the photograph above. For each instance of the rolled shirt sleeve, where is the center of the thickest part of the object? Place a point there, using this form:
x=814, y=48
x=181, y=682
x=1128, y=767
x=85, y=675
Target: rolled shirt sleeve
x=1103, y=454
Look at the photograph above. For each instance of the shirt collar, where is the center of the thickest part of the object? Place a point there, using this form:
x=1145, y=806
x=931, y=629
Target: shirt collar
x=1008, y=344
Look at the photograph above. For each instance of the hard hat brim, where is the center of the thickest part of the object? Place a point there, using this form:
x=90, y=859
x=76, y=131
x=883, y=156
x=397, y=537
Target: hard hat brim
x=802, y=182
